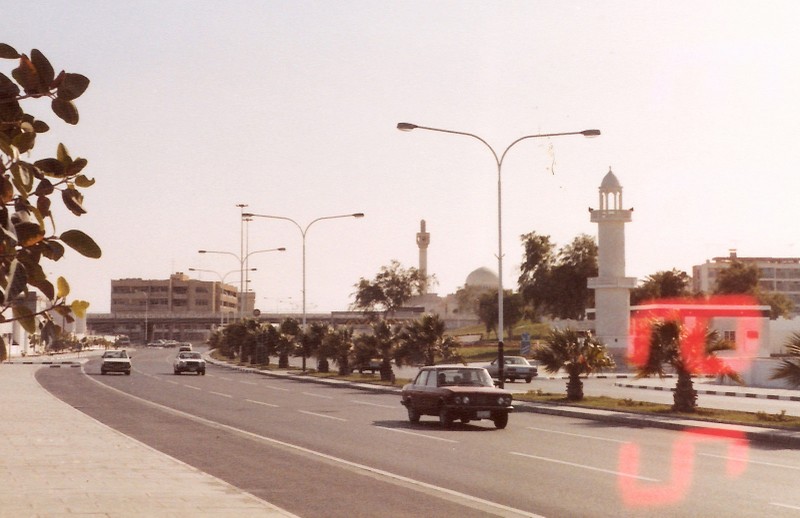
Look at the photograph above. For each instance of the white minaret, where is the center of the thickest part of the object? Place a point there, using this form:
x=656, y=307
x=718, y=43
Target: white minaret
x=423, y=240
x=611, y=287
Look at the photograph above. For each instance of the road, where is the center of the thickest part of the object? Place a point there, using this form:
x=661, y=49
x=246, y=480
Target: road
x=317, y=450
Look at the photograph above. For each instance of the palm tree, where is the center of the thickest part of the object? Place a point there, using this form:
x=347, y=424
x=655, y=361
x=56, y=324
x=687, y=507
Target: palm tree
x=379, y=344
x=338, y=344
x=688, y=351
x=789, y=368
x=577, y=354
x=421, y=341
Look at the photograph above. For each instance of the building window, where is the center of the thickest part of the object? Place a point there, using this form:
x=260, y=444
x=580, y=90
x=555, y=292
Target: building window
x=729, y=335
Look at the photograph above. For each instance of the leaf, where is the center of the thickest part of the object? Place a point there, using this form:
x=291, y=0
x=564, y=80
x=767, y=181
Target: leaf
x=79, y=307
x=63, y=288
x=40, y=127
x=24, y=141
x=25, y=317
x=28, y=234
x=84, y=182
x=26, y=76
x=45, y=188
x=62, y=154
x=65, y=110
x=73, y=200
x=72, y=86
x=81, y=243
x=8, y=88
x=76, y=167
x=17, y=280
x=43, y=68
x=8, y=52
x=6, y=190
x=53, y=250
x=43, y=204
x=50, y=166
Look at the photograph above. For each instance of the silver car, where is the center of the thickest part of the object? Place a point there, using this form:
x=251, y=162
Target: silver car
x=116, y=361
x=514, y=367
x=189, y=361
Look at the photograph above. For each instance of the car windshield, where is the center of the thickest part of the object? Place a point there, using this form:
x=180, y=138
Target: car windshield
x=189, y=356
x=516, y=360
x=115, y=354
x=463, y=377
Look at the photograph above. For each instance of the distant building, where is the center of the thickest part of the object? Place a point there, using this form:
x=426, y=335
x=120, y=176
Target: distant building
x=176, y=295
x=776, y=274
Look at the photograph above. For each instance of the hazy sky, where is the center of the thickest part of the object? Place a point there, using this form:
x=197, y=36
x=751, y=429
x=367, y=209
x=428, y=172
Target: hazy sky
x=291, y=108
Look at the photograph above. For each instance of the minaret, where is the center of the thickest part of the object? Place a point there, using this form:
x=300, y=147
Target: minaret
x=423, y=240
x=611, y=287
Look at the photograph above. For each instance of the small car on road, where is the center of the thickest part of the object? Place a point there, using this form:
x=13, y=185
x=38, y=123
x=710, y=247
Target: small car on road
x=189, y=361
x=514, y=368
x=456, y=392
x=116, y=361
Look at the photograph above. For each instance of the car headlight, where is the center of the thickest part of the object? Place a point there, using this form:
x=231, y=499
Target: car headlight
x=504, y=400
x=465, y=400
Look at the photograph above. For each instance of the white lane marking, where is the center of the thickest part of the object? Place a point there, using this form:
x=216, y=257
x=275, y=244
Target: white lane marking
x=191, y=387
x=371, y=404
x=416, y=434
x=316, y=395
x=261, y=403
x=220, y=394
x=275, y=388
x=173, y=382
x=751, y=461
x=577, y=435
x=248, y=382
x=584, y=466
x=321, y=415
x=443, y=492
x=787, y=506
x=224, y=378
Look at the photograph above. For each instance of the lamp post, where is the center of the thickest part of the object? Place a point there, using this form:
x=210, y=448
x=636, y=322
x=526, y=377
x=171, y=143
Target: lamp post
x=221, y=286
x=405, y=126
x=303, y=232
x=242, y=260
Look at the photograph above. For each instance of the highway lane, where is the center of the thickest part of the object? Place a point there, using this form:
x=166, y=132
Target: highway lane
x=360, y=447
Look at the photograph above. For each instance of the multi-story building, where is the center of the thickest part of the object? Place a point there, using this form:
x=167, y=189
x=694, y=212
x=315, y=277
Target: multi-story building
x=776, y=274
x=176, y=295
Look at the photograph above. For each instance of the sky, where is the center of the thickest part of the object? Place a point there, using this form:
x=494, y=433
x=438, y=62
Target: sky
x=291, y=108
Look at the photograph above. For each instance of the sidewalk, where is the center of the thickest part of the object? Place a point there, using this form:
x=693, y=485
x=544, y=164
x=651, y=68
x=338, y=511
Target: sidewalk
x=57, y=461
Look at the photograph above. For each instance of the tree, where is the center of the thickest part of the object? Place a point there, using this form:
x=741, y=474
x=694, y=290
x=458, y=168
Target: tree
x=556, y=285
x=389, y=290
x=689, y=351
x=789, y=368
x=289, y=333
x=512, y=310
x=26, y=189
x=338, y=345
x=662, y=285
x=379, y=344
x=742, y=279
x=423, y=340
x=311, y=340
x=577, y=354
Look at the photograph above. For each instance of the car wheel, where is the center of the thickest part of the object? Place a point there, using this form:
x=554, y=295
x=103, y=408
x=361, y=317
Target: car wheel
x=464, y=420
x=528, y=379
x=413, y=415
x=177, y=372
x=500, y=420
x=444, y=418
x=202, y=373
x=127, y=373
x=512, y=379
x=103, y=373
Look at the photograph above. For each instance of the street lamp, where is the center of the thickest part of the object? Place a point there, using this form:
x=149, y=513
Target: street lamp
x=406, y=126
x=303, y=232
x=221, y=286
x=242, y=260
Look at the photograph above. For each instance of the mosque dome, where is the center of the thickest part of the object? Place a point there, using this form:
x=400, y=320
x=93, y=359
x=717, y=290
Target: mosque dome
x=482, y=278
x=610, y=182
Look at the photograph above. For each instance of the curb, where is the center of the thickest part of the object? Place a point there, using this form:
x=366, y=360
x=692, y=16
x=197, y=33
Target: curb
x=715, y=392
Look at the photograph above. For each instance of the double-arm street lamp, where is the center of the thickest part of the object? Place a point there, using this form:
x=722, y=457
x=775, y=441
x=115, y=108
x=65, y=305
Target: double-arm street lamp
x=303, y=232
x=221, y=286
x=242, y=260
x=405, y=126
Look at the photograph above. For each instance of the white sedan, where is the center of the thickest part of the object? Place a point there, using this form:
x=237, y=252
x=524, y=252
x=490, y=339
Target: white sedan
x=514, y=367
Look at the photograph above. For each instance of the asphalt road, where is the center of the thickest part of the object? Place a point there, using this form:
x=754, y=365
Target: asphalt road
x=317, y=450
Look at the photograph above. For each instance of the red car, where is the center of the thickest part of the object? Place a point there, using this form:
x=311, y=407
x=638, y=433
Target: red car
x=456, y=392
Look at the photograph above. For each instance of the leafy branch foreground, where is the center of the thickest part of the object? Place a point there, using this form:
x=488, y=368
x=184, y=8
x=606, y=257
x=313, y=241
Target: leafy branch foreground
x=779, y=420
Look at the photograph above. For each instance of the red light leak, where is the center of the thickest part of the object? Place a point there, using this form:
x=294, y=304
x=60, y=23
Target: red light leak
x=695, y=315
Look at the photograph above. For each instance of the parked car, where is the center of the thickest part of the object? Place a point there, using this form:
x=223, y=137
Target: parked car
x=456, y=392
x=514, y=367
x=373, y=366
x=116, y=361
x=189, y=361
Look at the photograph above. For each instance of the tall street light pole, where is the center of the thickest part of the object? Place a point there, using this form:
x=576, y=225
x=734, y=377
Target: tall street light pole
x=303, y=232
x=405, y=126
x=242, y=260
x=221, y=286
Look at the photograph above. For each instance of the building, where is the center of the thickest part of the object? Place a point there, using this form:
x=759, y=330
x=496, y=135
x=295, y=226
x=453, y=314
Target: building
x=776, y=274
x=176, y=295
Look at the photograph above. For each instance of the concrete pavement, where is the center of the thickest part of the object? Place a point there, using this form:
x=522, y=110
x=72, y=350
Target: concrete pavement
x=57, y=461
